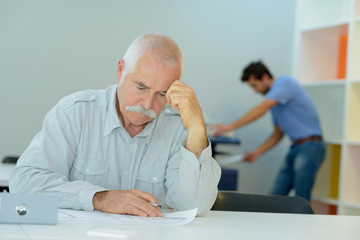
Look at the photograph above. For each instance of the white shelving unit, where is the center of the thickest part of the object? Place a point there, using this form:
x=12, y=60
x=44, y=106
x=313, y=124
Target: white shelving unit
x=321, y=27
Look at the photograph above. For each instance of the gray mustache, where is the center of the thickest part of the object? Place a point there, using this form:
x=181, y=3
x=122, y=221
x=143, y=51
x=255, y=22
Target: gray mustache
x=138, y=109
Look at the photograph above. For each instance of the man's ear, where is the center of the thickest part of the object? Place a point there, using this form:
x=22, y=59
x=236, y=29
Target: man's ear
x=120, y=70
x=264, y=76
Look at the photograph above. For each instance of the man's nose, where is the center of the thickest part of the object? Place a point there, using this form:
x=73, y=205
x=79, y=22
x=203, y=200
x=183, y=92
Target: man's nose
x=148, y=101
x=257, y=90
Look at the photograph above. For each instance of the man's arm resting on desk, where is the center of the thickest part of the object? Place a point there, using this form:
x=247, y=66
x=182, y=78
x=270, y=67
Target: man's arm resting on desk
x=45, y=166
x=74, y=195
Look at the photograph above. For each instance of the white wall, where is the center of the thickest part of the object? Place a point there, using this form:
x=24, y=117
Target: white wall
x=49, y=49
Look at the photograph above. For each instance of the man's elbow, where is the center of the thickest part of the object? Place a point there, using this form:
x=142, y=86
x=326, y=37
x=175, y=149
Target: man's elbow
x=18, y=182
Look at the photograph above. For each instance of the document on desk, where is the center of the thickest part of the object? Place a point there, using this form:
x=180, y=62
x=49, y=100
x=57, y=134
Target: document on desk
x=170, y=218
x=232, y=159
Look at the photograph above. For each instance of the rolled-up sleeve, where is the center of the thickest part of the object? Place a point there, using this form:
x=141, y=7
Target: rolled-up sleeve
x=193, y=183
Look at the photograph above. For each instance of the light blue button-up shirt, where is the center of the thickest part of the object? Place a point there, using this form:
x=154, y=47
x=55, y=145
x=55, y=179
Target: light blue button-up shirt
x=83, y=149
x=295, y=112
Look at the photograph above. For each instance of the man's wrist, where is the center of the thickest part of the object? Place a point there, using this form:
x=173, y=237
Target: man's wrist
x=201, y=128
x=198, y=132
x=98, y=200
x=197, y=140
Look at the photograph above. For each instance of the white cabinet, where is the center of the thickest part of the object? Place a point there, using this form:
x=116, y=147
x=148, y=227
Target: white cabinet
x=327, y=64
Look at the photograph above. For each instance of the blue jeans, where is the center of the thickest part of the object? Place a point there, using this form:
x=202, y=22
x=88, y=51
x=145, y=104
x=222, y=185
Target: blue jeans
x=299, y=169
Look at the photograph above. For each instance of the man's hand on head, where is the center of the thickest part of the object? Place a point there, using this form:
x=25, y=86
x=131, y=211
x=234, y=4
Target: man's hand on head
x=133, y=202
x=183, y=98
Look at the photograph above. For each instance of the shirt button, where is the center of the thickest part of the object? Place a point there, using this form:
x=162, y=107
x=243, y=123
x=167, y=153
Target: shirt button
x=155, y=179
x=126, y=173
x=88, y=170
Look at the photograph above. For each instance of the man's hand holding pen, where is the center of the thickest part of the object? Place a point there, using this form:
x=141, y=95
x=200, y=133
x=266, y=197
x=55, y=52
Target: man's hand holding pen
x=133, y=202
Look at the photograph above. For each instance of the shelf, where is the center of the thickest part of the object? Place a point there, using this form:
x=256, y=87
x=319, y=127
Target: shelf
x=350, y=205
x=320, y=207
x=326, y=186
x=319, y=51
x=357, y=9
x=333, y=141
x=353, y=143
x=353, y=118
x=354, y=80
x=331, y=118
x=326, y=64
x=337, y=82
x=329, y=201
x=350, y=209
x=332, y=25
x=351, y=180
x=322, y=12
x=355, y=52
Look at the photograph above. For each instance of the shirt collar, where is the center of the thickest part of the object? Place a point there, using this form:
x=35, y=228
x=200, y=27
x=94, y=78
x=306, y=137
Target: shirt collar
x=112, y=119
x=148, y=129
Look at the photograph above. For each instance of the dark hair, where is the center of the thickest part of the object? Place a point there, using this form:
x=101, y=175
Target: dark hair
x=255, y=69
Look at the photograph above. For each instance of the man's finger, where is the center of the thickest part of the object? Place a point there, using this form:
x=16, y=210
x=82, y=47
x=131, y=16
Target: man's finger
x=146, y=196
x=132, y=210
x=146, y=207
x=142, y=201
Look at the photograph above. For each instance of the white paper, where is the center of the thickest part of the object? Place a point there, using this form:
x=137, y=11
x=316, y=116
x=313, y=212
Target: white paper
x=231, y=159
x=172, y=218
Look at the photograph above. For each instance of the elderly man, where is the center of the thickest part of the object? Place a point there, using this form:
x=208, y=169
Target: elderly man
x=129, y=147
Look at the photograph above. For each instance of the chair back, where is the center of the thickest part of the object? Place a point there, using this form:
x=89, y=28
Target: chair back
x=10, y=159
x=234, y=201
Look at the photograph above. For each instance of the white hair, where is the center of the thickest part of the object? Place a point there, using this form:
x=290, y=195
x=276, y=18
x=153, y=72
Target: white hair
x=162, y=48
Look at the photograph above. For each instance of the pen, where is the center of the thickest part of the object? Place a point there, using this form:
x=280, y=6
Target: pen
x=155, y=204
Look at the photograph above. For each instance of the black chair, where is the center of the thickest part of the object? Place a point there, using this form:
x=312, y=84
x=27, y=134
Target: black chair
x=10, y=159
x=234, y=201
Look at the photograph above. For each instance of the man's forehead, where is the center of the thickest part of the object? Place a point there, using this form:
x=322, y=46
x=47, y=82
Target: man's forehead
x=149, y=85
x=252, y=81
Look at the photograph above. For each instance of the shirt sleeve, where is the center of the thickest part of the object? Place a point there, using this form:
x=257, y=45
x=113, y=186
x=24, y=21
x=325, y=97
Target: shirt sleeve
x=44, y=166
x=280, y=91
x=191, y=181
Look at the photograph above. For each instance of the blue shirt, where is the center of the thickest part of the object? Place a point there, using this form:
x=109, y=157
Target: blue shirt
x=83, y=148
x=294, y=113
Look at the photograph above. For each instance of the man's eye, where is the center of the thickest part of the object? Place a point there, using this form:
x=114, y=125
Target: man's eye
x=140, y=88
x=162, y=94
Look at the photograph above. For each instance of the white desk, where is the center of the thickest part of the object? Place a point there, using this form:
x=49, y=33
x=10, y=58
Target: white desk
x=5, y=170
x=216, y=225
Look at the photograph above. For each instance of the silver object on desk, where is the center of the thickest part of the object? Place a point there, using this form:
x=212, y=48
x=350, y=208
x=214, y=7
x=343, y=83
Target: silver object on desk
x=28, y=208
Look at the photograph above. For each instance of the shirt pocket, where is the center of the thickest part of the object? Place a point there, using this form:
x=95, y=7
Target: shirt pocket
x=89, y=169
x=152, y=180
